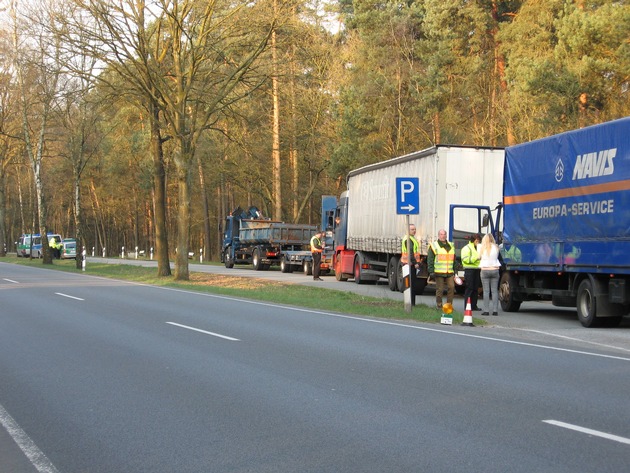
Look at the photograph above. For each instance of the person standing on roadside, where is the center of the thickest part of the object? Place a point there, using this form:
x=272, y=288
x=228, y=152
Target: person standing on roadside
x=317, y=247
x=470, y=261
x=410, y=245
x=440, y=261
x=489, y=265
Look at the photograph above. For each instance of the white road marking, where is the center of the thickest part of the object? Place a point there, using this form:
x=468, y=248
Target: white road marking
x=375, y=321
x=570, y=338
x=10, y=280
x=37, y=458
x=584, y=430
x=69, y=297
x=204, y=331
x=385, y=322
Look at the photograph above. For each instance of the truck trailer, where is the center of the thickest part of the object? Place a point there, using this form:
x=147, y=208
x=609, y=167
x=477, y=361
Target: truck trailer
x=564, y=222
x=368, y=232
x=249, y=238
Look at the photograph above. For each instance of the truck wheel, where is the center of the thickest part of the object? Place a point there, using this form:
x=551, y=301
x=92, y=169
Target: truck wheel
x=256, y=260
x=307, y=268
x=392, y=273
x=285, y=266
x=357, y=269
x=227, y=259
x=506, y=293
x=597, y=311
x=339, y=276
x=586, y=304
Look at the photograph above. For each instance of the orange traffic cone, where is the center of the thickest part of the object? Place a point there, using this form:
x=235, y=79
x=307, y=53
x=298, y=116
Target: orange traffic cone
x=468, y=320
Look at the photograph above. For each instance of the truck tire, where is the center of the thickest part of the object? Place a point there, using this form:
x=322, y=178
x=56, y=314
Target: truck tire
x=339, y=276
x=507, y=284
x=586, y=304
x=596, y=310
x=285, y=266
x=358, y=260
x=256, y=260
x=307, y=268
x=227, y=259
x=392, y=273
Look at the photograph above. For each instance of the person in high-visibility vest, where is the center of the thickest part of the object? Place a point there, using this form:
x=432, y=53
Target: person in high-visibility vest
x=55, y=246
x=407, y=240
x=470, y=261
x=317, y=247
x=440, y=261
x=411, y=245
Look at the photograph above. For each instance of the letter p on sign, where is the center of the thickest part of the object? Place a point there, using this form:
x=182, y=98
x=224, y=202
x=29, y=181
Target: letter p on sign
x=407, y=195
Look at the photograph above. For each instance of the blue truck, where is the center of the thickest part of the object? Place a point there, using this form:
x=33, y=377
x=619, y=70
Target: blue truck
x=248, y=238
x=564, y=222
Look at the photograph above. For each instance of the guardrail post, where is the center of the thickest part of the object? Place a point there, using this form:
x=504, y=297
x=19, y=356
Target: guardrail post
x=201, y=255
x=151, y=253
x=83, y=259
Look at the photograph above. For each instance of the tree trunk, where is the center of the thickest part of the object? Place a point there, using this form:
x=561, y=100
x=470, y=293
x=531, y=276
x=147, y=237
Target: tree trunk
x=159, y=189
x=3, y=231
x=206, y=210
x=183, y=225
x=277, y=178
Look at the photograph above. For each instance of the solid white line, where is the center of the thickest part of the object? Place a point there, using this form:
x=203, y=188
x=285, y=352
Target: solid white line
x=584, y=430
x=204, y=331
x=604, y=345
x=69, y=297
x=376, y=321
x=385, y=322
x=11, y=280
x=40, y=461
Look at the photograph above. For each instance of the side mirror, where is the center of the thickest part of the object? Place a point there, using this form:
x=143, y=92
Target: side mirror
x=485, y=221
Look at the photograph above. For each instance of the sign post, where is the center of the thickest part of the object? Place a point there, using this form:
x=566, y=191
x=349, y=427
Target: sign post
x=408, y=203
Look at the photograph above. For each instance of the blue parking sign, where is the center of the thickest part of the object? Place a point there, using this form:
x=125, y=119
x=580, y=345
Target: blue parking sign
x=407, y=195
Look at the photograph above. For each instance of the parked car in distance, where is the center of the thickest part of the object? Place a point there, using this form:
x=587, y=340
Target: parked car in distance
x=24, y=246
x=69, y=250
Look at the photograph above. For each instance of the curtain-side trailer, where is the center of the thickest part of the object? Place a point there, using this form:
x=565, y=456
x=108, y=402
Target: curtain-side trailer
x=565, y=226
x=368, y=234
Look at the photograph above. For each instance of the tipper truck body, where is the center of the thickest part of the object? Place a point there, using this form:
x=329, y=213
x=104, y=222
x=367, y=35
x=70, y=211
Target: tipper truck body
x=250, y=239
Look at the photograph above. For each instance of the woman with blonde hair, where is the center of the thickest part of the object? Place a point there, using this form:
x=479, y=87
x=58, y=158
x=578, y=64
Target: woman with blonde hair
x=490, y=265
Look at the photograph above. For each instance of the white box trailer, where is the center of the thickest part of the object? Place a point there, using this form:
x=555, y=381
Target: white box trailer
x=368, y=239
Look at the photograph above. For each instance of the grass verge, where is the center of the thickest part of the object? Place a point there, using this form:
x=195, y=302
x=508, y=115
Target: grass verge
x=258, y=289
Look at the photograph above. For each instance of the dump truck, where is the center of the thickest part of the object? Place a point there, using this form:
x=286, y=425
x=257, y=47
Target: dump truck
x=563, y=222
x=249, y=238
x=368, y=231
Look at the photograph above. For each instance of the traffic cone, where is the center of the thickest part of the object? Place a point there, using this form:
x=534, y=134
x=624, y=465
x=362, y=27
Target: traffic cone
x=468, y=320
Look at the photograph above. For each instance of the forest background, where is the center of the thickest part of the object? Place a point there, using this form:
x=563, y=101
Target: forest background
x=143, y=123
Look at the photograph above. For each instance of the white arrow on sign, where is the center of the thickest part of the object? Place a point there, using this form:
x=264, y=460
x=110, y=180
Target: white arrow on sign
x=409, y=208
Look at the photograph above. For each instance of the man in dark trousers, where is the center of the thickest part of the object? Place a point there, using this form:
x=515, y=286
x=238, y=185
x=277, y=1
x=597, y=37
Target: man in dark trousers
x=317, y=247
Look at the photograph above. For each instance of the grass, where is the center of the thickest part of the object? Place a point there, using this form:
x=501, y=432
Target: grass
x=257, y=289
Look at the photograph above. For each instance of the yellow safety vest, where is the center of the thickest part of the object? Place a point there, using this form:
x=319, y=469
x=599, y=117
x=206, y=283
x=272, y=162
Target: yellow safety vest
x=443, y=259
x=315, y=243
x=404, y=257
x=470, y=256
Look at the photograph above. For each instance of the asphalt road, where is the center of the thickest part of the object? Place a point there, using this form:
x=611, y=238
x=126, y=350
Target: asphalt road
x=535, y=321
x=99, y=375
